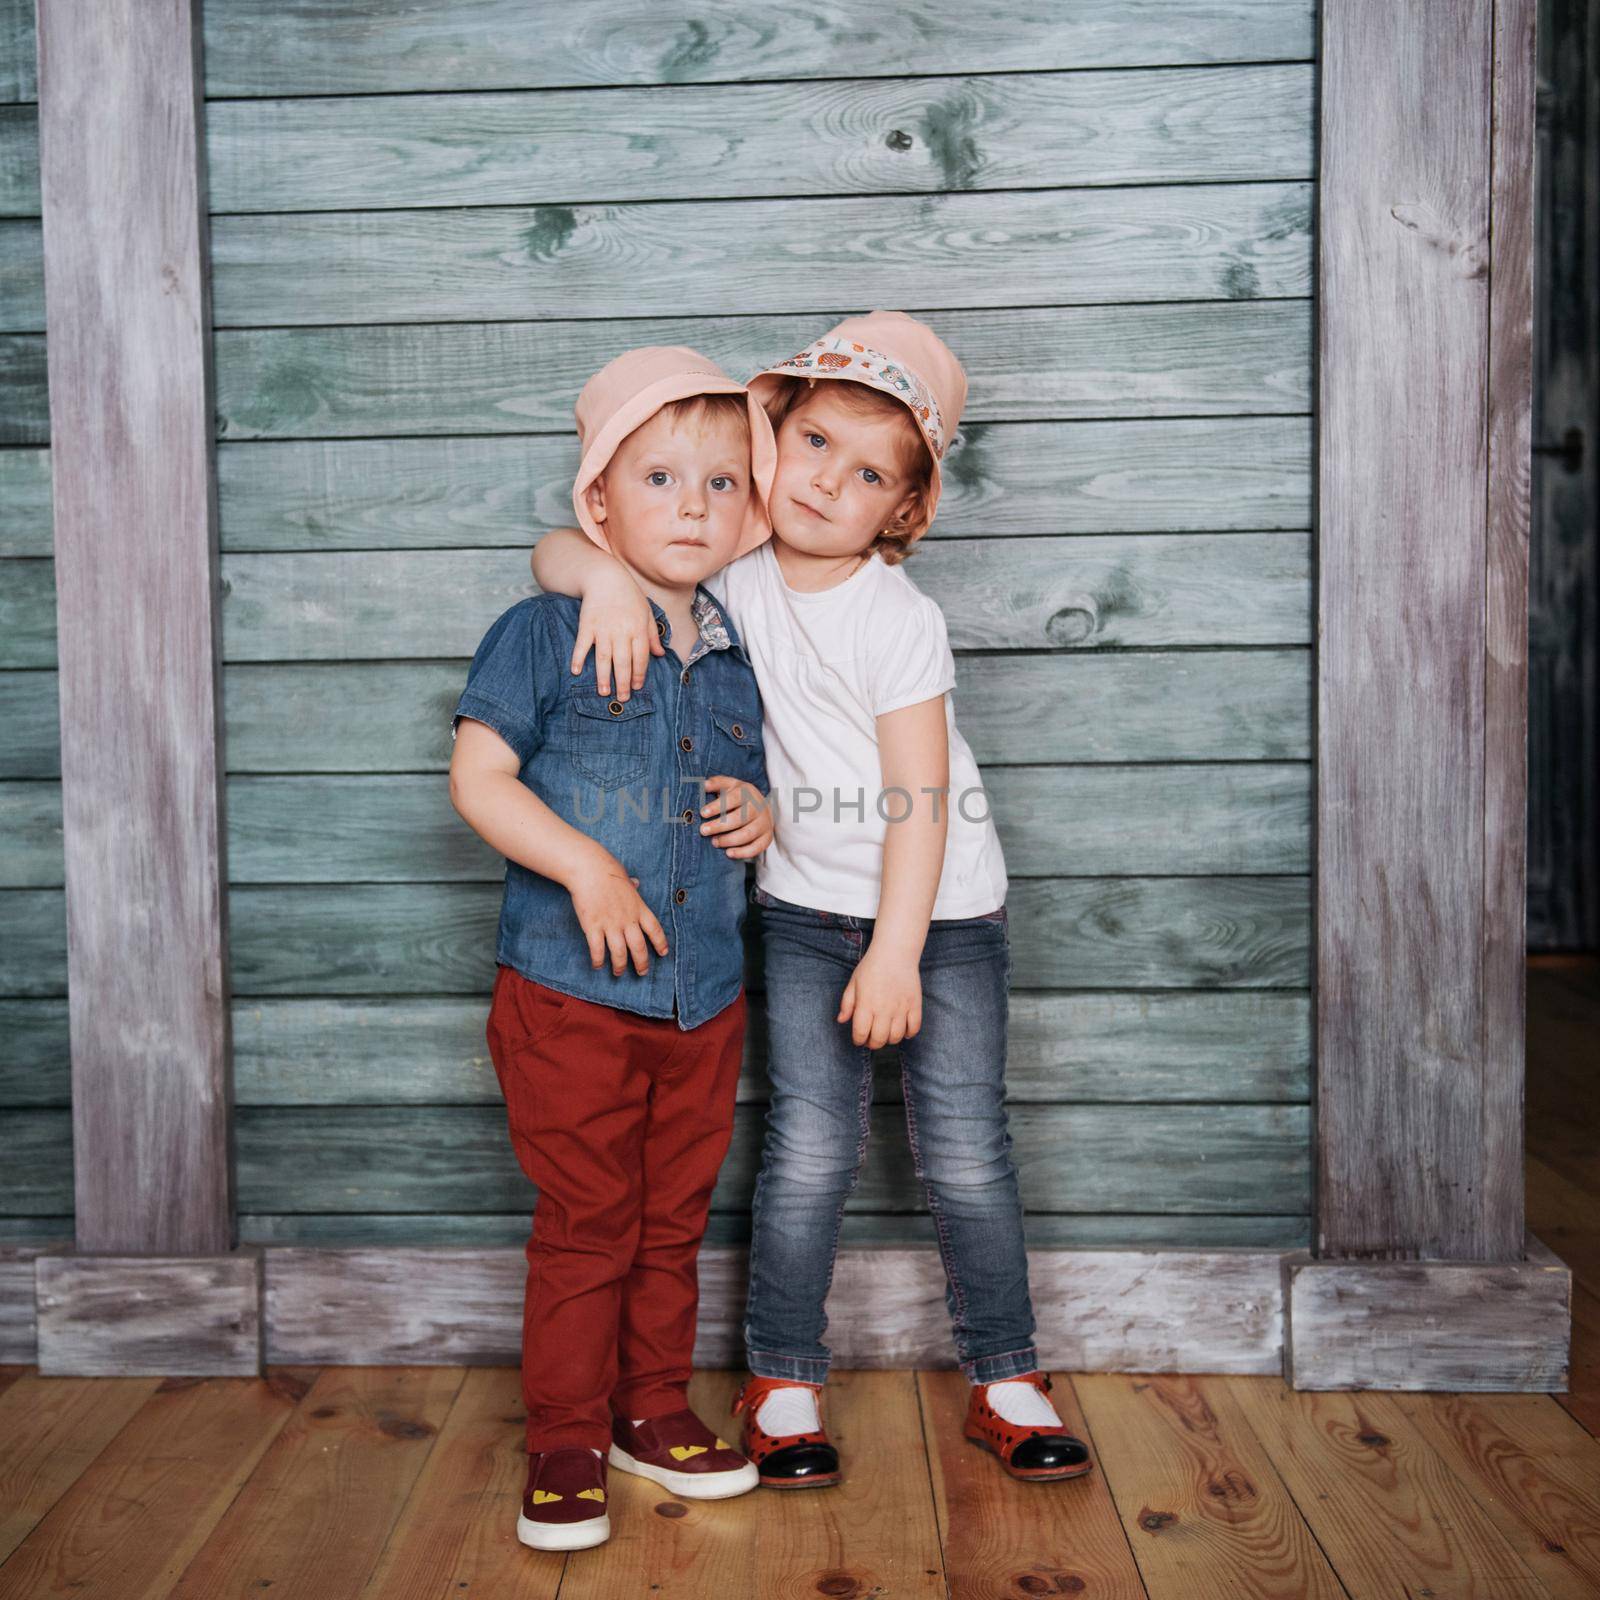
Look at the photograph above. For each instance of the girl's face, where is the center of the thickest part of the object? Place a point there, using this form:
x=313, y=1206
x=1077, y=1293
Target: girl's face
x=840, y=480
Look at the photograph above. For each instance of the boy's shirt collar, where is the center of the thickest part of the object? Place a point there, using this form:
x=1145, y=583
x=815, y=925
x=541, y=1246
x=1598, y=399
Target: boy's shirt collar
x=717, y=631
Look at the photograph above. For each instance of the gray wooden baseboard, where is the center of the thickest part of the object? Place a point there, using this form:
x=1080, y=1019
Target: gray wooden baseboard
x=1097, y=1310
x=134, y=1316
x=1450, y=1325
x=1323, y=1324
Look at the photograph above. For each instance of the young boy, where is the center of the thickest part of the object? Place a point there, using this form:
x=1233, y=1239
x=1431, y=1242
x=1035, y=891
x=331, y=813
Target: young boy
x=619, y=1083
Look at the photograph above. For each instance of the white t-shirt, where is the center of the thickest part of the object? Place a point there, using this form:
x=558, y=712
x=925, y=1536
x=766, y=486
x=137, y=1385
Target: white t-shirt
x=828, y=665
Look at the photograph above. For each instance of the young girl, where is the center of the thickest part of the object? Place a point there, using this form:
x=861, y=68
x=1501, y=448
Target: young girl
x=882, y=895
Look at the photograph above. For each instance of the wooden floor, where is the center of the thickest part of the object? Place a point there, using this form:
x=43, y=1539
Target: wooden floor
x=404, y=1481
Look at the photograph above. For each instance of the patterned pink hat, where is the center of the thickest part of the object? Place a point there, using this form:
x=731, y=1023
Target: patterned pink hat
x=890, y=351
x=624, y=395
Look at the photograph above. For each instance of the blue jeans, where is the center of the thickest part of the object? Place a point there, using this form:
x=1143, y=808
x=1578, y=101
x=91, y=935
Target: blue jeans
x=953, y=1072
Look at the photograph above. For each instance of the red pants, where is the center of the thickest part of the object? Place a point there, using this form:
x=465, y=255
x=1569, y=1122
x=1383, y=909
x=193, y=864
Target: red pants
x=621, y=1121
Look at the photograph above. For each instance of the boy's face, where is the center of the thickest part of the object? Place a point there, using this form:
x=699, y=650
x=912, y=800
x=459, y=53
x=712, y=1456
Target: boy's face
x=840, y=480
x=672, y=499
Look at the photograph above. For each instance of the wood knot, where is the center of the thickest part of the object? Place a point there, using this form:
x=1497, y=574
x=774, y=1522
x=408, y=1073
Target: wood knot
x=1373, y=1441
x=838, y=1583
x=671, y=1508
x=1156, y=1521
x=405, y=1428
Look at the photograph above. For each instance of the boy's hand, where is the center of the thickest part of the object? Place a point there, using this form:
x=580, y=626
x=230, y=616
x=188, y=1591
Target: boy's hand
x=738, y=818
x=883, y=999
x=614, y=918
x=617, y=621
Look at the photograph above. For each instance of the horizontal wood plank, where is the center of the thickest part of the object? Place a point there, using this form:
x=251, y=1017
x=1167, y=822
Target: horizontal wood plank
x=127, y=1316
x=256, y=47
x=1235, y=817
x=1248, y=1160
x=1456, y=1325
x=1217, y=474
x=1205, y=1045
x=438, y=938
x=1214, y=1159
x=19, y=146
x=1058, y=592
x=29, y=713
x=1030, y=363
x=1152, y=706
x=1084, y=933
x=1142, y=591
x=1079, y=1231
x=25, y=511
x=24, y=402
x=18, y=51
x=30, y=824
x=1193, y=705
x=698, y=142
x=721, y=257
x=33, y=954
x=1209, y=1312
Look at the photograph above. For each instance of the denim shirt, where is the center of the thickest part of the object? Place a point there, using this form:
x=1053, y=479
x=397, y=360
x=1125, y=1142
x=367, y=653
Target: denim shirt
x=628, y=775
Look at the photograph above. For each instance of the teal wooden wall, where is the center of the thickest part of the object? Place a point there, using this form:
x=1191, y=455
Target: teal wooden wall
x=427, y=229
x=35, y=1130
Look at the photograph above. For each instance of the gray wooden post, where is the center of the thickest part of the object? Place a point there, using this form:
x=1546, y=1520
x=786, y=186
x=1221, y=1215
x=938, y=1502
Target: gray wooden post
x=128, y=329
x=1424, y=351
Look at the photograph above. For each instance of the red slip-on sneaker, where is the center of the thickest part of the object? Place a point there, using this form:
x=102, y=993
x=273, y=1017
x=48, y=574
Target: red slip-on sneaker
x=683, y=1455
x=788, y=1460
x=564, y=1503
x=1036, y=1453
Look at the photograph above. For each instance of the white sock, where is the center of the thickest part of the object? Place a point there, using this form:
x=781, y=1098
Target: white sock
x=1025, y=1404
x=595, y=1451
x=791, y=1409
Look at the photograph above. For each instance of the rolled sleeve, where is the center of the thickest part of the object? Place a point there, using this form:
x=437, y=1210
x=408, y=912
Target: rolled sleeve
x=913, y=661
x=505, y=684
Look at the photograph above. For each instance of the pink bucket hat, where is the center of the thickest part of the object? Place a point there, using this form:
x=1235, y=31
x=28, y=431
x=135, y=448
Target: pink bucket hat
x=890, y=351
x=625, y=393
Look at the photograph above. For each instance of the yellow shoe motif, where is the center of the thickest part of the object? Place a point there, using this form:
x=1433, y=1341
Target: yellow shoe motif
x=682, y=1452
x=591, y=1494
x=543, y=1497
x=722, y=1444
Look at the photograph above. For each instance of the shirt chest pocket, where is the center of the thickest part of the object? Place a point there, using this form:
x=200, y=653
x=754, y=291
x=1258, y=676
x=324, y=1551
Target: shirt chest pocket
x=737, y=746
x=610, y=739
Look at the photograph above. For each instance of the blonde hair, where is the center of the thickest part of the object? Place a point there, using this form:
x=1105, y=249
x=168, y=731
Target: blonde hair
x=705, y=409
x=894, y=543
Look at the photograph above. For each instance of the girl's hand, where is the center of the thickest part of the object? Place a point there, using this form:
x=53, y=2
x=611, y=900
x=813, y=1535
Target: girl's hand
x=883, y=1000
x=617, y=621
x=739, y=819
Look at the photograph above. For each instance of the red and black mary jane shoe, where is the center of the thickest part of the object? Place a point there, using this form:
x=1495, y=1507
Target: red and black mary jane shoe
x=787, y=1460
x=1036, y=1453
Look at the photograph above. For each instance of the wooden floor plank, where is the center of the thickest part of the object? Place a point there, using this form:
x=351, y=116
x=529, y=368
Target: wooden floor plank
x=319, y=1509
x=1203, y=1510
x=1003, y=1538
x=50, y=1430
x=677, y=1549
x=457, y=1532
x=135, y=1516
x=876, y=1532
x=10, y=1373
x=1389, y=1514
x=1534, y=1472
